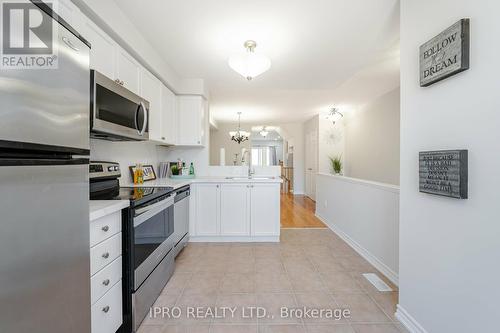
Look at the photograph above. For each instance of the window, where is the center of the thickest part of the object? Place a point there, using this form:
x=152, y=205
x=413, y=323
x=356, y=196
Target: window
x=264, y=156
x=260, y=156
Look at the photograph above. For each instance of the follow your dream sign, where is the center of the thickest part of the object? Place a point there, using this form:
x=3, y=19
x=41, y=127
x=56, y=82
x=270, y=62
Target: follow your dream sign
x=28, y=36
x=446, y=54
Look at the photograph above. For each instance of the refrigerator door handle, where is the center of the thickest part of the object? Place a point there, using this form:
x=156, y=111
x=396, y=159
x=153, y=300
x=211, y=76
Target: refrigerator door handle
x=42, y=162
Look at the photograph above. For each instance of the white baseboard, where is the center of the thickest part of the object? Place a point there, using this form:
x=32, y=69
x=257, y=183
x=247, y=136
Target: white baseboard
x=408, y=321
x=223, y=239
x=379, y=265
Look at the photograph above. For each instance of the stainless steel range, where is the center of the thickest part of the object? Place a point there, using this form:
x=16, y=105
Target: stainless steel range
x=148, y=239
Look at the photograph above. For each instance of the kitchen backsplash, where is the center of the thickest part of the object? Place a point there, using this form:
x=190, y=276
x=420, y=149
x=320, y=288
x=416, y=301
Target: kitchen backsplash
x=130, y=153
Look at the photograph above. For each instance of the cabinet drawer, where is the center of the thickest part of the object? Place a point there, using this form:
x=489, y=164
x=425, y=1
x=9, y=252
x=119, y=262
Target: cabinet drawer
x=105, y=279
x=107, y=312
x=105, y=227
x=104, y=253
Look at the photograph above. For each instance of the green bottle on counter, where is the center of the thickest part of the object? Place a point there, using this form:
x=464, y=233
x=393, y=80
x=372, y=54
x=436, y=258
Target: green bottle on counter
x=191, y=169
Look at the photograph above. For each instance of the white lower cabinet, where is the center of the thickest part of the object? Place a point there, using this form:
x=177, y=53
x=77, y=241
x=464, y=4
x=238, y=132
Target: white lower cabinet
x=207, y=209
x=105, y=279
x=106, y=273
x=106, y=313
x=265, y=210
x=238, y=211
x=234, y=210
x=105, y=252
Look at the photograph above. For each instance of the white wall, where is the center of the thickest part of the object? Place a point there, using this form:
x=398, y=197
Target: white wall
x=372, y=140
x=365, y=214
x=449, y=248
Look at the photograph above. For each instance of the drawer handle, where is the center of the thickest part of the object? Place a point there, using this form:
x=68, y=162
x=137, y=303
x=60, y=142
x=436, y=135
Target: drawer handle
x=105, y=228
x=105, y=309
x=106, y=282
x=105, y=255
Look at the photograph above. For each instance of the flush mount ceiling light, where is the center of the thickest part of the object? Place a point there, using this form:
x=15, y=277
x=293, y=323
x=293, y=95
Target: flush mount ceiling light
x=334, y=115
x=239, y=135
x=249, y=64
x=264, y=133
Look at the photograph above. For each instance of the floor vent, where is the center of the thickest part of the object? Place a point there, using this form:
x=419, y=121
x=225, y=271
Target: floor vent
x=377, y=282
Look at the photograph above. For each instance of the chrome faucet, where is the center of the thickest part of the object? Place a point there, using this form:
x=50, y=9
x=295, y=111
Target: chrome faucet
x=248, y=162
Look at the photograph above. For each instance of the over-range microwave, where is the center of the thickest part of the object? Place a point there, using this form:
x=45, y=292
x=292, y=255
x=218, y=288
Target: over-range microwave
x=117, y=114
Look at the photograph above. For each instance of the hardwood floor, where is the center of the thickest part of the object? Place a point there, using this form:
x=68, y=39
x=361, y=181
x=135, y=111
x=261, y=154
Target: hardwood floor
x=297, y=211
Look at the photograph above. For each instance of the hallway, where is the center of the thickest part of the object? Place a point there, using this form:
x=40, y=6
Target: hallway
x=297, y=211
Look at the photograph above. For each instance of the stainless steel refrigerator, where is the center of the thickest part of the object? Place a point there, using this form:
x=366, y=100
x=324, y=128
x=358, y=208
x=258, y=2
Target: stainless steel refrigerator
x=44, y=212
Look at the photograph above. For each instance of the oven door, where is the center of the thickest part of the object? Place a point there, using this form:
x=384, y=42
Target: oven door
x=117, y=113
x=153, y=236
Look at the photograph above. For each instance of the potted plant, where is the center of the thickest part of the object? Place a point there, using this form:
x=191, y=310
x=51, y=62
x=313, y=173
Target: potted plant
x=336, y=164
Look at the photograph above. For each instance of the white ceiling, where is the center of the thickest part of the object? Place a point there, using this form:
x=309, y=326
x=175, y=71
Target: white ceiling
x=323, y=52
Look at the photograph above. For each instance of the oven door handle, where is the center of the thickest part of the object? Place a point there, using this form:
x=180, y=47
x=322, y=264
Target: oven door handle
x=144, y=214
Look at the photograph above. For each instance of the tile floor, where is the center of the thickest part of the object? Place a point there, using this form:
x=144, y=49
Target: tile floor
x=310, y=268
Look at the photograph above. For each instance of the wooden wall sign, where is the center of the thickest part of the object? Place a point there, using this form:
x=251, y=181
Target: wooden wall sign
x=446, y=54
x=444, y=173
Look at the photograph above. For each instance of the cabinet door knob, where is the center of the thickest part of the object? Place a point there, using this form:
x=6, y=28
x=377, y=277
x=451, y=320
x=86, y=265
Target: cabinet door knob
x=105, y=228
x=105, y=309
x=217, y=186
x=198, y=142
x=105, y=255
x=106, y=282
x=163, y=138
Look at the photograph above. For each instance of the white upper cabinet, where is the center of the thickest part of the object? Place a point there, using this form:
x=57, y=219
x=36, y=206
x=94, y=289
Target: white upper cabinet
x=191, y=113
x=151, y=90
x=128, y=71
x=108, y=58
x=169, y=116
x=102, y=52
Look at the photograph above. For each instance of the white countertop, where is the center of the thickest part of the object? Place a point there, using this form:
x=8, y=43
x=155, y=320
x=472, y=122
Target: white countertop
x=100, y=208
x=177, y=183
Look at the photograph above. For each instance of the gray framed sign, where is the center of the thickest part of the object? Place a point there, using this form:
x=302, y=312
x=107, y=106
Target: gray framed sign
x=446, y=54
x=444, y=172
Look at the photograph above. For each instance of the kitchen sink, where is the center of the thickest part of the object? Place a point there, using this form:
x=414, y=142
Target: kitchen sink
x=250, y=178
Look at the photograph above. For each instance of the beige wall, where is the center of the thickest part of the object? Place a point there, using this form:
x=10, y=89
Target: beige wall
x=220, y=138
x=372, y=140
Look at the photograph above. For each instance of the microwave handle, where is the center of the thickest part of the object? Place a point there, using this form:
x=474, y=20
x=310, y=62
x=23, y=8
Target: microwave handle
x=145, y=119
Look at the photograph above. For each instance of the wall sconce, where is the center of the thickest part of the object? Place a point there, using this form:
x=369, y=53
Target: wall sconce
x=334, y=115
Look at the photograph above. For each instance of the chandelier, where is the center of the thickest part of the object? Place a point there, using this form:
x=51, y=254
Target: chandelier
x=249, y=64
x=239, y=135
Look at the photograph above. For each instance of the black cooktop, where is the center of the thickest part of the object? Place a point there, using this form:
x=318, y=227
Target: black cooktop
x=142, y=193
x=136, y=195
